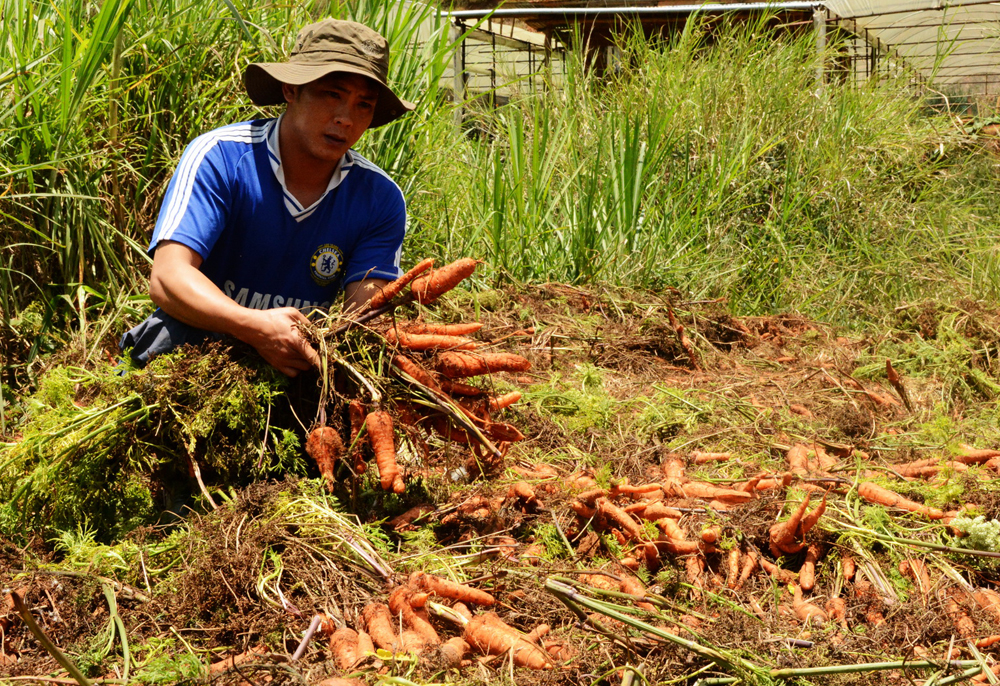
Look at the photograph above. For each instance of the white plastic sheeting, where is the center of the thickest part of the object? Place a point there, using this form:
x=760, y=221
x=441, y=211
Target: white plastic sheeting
x=953, y=44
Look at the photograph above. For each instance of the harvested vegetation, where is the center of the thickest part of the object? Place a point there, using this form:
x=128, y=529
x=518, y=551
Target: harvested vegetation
x=690, y=540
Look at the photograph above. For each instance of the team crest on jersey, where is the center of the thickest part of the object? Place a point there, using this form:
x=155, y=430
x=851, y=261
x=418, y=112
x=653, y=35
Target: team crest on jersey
x=325, y=264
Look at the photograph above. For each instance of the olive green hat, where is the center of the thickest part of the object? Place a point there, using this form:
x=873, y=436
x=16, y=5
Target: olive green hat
x=328, y=47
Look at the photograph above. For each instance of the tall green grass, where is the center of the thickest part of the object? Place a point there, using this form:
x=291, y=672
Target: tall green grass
x=710, y=162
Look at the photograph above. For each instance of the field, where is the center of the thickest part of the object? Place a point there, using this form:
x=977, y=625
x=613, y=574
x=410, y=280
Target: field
x=744, y=301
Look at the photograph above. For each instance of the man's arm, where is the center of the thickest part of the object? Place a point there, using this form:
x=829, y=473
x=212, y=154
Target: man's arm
x=357, y=293
x=182, y=291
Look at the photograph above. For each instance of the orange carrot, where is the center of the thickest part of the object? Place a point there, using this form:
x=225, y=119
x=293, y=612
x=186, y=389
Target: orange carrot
x=782, y=575
x=705, y=491
x=625, y=488
x=344, y=647
x=848, y=566
x=710, y=534
x=699, y=457
x=656, y=510
x=378, y=620
x=969, y=455
x=987, y=641
x=453, y=651
x=989, y=601
x=798, y=459
x=807, y=574
x=392, y=289
x=504, y=401
x=559, y=650
x=414, y=371
x=450, y=589
x=916, y=570
x=733, y=568
x=399, y=603
x=488, y=634
x=379, y=426
x=458, y=365
x=809, y=520
x=806, y=611
x=694, y=567
x=618, y=516
x=836, y=608
x=963, y=623
x=324, y=446
x=877, y=495
x=499, y=431
x=774, y=483
x=463, y=389
x=460, y=329
x=356, y=412
x=430, y=287
x=782, y=535
x=635, y=588
x=426, y=341
x=340, y=681
x=749, y=564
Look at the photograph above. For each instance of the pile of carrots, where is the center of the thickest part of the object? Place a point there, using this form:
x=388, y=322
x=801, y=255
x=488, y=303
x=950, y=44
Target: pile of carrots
x=432, y=363
x=403, y=625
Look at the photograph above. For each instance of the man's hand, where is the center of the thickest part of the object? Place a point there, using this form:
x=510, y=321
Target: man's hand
x=276, y=337
x=178, y=286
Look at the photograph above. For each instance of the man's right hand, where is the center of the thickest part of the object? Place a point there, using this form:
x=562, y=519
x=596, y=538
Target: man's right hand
x=178, y=286
x=276, y=337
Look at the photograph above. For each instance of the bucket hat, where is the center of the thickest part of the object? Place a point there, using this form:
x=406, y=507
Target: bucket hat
x=328, y=47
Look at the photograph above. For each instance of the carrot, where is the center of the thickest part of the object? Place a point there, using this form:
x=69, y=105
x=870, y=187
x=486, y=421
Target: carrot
x=963, y=623
x=488, y=634
x=987, y=641
x=339, y=681
x=425, y=341
x=378, y=620
x=710, y=534
x=392, y=289
x=460, y=329
x=774, y=483
x=399, y=603
x=809, y=520
x=733, y=568
x=704, y=491
x=458, y=365
x=344, y=647
x=592, y=495
x=694, y=567
x=806, y=611
x=807, y=574
x=623, y=487
x=379, y=426
x=969, y=455
x=749, y=564
x=504, y=401
x=404, y=522
x=449, y=589
x=524, y=494
x=429, y=287
x=699, y=457
x=453, y=651
x=848, y=566
x=782, y=535
x=798, y=459
x=414, y=371
x=583, y=509
x=463, y=389
x=581, y=480
x=635, y=588
x=782, y=575
x=499, y=431
x=536, y=634
x=624, y=520
x=989, y=601
x=836, y=608
x=559, y=651
x=325, y=447
x=915, y=569
x=877, y=495
x=654, y=511
x=231, y=662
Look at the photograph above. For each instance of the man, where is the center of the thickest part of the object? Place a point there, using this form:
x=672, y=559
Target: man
x=267, y=218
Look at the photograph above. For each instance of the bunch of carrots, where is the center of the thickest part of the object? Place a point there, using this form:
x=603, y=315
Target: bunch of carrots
x=403, y=625
x=432, y=362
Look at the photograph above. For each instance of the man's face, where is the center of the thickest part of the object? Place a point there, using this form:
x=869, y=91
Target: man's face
x=326, y=117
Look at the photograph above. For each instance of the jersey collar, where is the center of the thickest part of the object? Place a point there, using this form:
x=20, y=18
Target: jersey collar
x=291, y=204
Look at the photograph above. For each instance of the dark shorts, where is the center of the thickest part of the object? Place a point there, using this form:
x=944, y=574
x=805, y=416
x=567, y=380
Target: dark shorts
x=160, y=333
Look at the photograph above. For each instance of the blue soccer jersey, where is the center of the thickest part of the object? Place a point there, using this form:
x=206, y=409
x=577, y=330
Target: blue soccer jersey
x=227, y=201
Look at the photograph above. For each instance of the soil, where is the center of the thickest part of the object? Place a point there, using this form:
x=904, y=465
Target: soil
x=613, y=394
